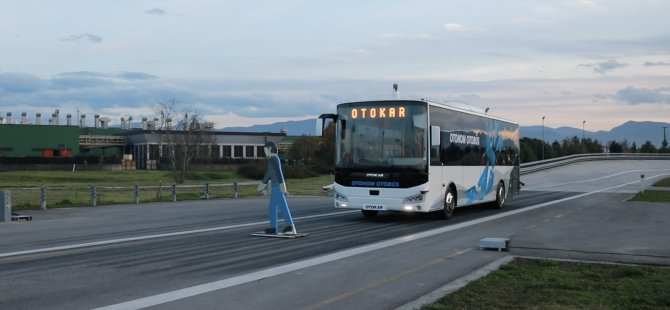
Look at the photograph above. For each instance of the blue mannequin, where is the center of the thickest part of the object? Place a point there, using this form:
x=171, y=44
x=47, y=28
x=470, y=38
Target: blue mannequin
x=275, y=177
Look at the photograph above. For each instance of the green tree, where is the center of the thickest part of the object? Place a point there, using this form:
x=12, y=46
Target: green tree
x=664, y=147
x=573, y=146
x=303, y=150
x=529, y=149
x=558, y=150
x=648, y=147
x=592, y=146
x=180, y=140
x=615, y=147
x=325, y=153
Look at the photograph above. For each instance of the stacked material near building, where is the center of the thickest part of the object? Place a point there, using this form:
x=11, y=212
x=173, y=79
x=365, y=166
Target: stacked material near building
x=128, y=162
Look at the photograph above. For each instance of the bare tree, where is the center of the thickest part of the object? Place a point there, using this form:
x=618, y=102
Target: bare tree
x=182, y=133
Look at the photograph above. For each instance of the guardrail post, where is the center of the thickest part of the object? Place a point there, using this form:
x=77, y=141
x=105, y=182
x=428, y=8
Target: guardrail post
x=174, y=192
x=136, y=191
x=160, y=187
x=6, y=205
x=642, y=183
x=94, y=195
x=235, y=189
x=43, y=197
x=206, y=191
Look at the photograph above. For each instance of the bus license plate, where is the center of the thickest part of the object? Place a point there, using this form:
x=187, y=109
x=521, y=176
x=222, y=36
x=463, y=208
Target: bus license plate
x=374, y=207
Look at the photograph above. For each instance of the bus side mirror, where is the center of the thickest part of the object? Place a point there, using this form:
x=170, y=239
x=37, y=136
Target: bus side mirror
x=322, y=123
x=435, y=135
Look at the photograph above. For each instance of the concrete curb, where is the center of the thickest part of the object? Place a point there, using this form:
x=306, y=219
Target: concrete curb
x=457, y=284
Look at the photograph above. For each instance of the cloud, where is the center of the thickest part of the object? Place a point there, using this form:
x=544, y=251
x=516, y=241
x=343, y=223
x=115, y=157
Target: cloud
x=633, y=95
x=88, y=75
x=155, y=11
x=238, y=102
x=454, y=27
x=590, y=4
x=136, y=92
x=132, y=76
x=83, y=38
x=602, y=67
x=19, y=83
x=413, y=36
x=81, y=74
x=656, y=63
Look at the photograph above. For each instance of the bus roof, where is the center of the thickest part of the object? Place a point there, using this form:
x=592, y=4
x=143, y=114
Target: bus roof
x=451, y=105
x=466, y=108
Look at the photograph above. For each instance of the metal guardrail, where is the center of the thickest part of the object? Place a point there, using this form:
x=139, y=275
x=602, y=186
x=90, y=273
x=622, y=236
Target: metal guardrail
x=567, y=160
x=44, y=197
x=60, y=196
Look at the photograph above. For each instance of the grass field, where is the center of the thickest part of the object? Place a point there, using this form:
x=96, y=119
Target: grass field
x=70, y=189
x=545, y=284
x=663, y=183
x=654, y=195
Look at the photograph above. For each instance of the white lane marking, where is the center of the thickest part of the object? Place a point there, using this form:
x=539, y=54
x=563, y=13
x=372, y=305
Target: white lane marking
x=270, y=272
x=597, y=179
x=172, y=234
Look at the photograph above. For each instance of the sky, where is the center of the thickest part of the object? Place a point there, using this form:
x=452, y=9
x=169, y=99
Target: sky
x=241, y=63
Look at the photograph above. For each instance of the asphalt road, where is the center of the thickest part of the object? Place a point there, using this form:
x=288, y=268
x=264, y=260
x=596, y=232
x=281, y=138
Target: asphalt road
x=200, y=254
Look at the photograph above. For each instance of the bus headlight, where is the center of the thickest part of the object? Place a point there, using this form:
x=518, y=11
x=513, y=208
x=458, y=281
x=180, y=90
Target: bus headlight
x=341, y=197
x=413, y=199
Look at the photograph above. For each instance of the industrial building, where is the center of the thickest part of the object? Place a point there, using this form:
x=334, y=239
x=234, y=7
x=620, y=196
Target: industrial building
x=139, y=146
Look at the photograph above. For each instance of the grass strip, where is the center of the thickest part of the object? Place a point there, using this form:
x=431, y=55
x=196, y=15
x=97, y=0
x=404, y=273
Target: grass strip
x=652, y=196
x=72, y=189
x=547, y=284
x=663, y=183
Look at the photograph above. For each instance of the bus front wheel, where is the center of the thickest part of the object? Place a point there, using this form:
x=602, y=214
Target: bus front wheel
x=500, y=196
x=449, y=205
x=369, y=213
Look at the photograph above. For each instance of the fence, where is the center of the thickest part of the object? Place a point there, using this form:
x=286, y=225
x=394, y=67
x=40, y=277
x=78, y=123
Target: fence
x=567, y=160
x=59, y=196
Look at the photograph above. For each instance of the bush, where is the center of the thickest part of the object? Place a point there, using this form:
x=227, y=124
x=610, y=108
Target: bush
x=299, y=172
x=255, y=170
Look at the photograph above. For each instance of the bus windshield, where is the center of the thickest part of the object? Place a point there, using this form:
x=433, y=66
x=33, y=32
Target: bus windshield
x=385, y=135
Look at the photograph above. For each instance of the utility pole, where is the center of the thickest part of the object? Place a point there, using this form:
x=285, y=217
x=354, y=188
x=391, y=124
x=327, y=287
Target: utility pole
x=542, y=137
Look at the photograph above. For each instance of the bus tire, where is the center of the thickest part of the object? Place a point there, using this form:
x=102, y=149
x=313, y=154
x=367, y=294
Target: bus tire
x=500, y=196
x=370, y=213
x=449, y=205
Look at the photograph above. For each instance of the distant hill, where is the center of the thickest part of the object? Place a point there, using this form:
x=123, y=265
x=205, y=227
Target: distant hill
x=293, y=128
x=638, y=132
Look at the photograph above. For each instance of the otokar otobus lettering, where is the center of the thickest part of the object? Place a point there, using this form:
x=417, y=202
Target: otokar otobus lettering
x=493, y=144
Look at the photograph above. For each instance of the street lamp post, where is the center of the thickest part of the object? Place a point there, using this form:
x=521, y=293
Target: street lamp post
x=542, y=137
x=665, y=141
x=583, y=137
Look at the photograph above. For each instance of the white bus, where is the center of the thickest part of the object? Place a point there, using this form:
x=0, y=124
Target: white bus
x=421, y=156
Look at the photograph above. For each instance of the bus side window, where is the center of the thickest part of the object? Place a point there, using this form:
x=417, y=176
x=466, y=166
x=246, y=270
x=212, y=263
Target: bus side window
x=436, y=142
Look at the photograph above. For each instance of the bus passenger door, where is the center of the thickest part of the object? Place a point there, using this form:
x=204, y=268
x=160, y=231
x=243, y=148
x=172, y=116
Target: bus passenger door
x=435, y=168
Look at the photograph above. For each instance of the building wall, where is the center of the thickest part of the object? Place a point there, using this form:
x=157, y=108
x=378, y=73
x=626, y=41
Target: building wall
x=22, y=140
x=147, y=146
x=31, y=140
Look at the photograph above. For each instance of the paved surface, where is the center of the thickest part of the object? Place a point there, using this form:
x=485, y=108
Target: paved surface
x=345, y=262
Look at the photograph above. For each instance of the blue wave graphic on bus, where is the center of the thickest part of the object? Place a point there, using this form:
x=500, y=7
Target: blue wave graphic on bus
x=485, y=184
